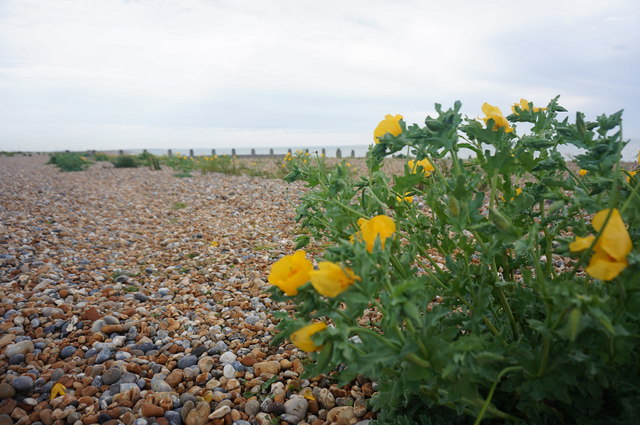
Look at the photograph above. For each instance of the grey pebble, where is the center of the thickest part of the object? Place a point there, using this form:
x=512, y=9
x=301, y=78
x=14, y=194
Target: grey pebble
x=103, y=356
x=173, y=417
x=292, y=419
x=22, y=383
x=252, y=407
x=67, y=351
x=112, y=375
x=187, y=361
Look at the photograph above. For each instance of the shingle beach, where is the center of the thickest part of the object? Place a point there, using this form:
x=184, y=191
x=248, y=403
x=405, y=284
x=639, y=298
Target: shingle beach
x=133, y=296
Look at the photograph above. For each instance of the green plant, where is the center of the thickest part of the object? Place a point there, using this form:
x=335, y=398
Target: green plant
x=98, y=157
x=180, y=163
x=179, y=205
x=68, y=161
x=514, y=296
x=125, y=161
x=224, y=164
x=150, y=160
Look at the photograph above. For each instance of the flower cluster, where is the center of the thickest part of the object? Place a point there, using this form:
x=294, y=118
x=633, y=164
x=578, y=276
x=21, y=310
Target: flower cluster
x=610, y=248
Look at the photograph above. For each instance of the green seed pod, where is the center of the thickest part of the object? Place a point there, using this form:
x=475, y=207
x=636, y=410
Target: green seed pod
x=499, y=220
x=454, y=205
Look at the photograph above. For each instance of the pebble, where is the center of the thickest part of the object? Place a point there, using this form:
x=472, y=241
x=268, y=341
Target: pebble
x=228, y=357
x=131, y=319
x=187, y=361
x=67, y=352
x=199, y=415
x=22, y=383
x=252, y=407
x=103, y=355
x=229, y=371
x=112, y=375
x=296, y=406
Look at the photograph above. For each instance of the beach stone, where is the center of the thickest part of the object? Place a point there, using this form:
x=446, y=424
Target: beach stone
x=206, y=363
x=174, y=378
x=112, y=375
x=342, y=415
x=228, y=357
x=291, y=419
x=187, y=361
x=252, y=407
x=16, y=359
x=220, y=412
x=326, y=399
x=103, y=355
x=159, y=385
x=6, y=420
x=46, y=416
x=51, y=311
x=151, y=410
x=67, y=351
x=199, y=415
x=22, y=383
x=229, y=371
x=173, y=417
x=268, y=367
x=6, y=391
x=296, y=406
x=187, y=407
x=22, y=347
x=191, y=372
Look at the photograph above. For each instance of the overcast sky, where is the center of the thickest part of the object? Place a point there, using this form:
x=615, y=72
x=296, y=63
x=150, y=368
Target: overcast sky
x=111, y=74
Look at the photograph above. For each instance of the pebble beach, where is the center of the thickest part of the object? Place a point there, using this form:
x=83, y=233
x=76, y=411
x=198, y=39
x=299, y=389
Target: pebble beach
x=133, y=296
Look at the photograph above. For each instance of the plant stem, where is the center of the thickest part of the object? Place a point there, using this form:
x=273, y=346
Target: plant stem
x=485, y=405
x=546, y=347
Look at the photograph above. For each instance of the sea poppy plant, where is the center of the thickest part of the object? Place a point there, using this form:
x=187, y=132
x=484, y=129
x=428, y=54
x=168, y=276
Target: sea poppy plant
x=611, y=249
x=380, y=225
x=390, y=124
x=330, y=279
x=290, y=272
x=494, y=113
x=302, y=337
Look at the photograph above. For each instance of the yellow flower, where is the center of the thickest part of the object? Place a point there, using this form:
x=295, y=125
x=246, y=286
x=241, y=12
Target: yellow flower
x=290, y=272
x=330, y=279
x=631, y=174
x=379, y=226
x=406, y=198
x=302, y=337
x=58, y=390
x=518, y=192
x=524, y=105
x=610, y=251
x=389, y=124
x=427, y=167
x=348, y=164
x=583, y=172
x=499, y=121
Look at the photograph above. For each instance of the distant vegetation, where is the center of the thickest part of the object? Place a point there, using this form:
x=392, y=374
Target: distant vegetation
x=67, y=161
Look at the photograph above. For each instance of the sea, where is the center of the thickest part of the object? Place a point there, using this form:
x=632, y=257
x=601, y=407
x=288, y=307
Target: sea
x=360, y=151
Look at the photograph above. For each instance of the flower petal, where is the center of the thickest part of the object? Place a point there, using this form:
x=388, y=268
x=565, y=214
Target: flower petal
x=604, y=267
x=290, y=272
x=580, y=244
x=302, y=337
x=614, y=239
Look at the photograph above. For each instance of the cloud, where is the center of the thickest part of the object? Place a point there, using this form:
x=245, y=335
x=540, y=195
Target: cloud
x=327, y=67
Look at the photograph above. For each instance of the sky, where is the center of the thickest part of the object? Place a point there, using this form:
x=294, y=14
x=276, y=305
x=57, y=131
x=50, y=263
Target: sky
x=125, y=74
